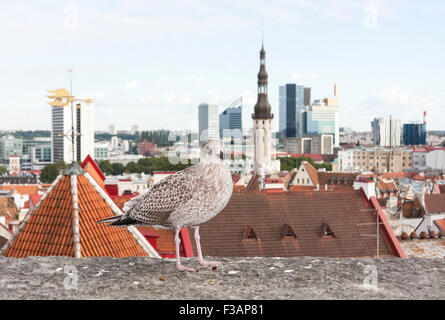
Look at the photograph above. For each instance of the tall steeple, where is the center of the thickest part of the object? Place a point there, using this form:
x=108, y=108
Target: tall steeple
x=262, y=123
x=262, y=107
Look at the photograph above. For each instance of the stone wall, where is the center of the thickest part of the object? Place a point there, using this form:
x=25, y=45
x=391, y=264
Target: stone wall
x=237, y=278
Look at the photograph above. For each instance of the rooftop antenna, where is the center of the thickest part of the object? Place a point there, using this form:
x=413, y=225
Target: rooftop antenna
x=262, y=35
x=73, y=133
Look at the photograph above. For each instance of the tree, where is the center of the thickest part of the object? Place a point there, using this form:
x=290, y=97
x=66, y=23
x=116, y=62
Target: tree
x=51, y=171
x=289, y=163
x=3, y=170
x=133, y=167
x=118, y=168
x=106, y=167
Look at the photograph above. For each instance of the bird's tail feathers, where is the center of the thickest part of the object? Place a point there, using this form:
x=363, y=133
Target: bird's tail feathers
x=119, y=221
x=112, y=219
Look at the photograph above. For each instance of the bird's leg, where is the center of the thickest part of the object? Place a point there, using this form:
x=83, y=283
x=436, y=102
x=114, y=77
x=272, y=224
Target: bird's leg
x=179, y=266
x=198, y=247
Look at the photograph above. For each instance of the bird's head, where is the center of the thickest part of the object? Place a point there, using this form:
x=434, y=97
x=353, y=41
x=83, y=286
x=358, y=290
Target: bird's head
x=212, y=149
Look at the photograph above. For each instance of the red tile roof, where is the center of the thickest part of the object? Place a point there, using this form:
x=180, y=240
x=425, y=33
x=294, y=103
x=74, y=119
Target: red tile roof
x=435, y=203
x=313, y=173
x=440, y=224
x=35, y=199
x=48, y=231
x=21, y=189
x=346, y=213
x=90, y=166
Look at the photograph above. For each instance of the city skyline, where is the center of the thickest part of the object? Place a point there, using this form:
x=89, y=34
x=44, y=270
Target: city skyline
x=141, y=61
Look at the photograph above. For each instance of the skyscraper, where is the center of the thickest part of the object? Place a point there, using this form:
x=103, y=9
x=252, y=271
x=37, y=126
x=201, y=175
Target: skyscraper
x=62, y=121
x=322, y=118
x=230, y=119
x=262, y=122
x=414, y=134
x=292, y=100
x=386, y=132
x=208, y=122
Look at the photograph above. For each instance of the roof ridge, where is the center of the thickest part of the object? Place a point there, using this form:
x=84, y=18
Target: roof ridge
x=75, y=216
x=73, y=169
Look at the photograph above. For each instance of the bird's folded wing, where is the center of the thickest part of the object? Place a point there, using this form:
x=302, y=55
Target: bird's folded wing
x=155, y=205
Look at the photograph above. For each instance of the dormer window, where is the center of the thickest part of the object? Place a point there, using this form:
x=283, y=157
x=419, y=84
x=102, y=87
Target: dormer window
x=326, y=231
x=249, y=235
x=287, y=232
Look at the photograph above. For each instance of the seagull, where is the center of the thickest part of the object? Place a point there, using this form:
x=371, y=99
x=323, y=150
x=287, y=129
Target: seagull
x=187, y=198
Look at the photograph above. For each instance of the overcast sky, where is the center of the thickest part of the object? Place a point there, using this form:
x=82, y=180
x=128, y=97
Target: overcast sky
x=152, y=62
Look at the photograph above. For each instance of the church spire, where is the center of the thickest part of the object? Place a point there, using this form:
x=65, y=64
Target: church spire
x=262, y=107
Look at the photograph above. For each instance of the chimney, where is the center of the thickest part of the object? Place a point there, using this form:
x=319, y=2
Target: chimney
x=365, y=183
x=424, y=118
x=335, y=90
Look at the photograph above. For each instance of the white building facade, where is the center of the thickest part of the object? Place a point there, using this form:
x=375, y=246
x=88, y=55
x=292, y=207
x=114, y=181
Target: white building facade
x=62, y=123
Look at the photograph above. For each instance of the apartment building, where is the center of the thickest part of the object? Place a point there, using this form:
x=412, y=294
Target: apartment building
x=376, y=159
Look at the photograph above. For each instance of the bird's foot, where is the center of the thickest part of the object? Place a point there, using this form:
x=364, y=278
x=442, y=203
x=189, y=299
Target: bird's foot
x=180, y=267
x=209, y=263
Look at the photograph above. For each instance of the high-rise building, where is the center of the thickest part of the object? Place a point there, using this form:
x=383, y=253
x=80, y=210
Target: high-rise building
x=62, y=124
x=414, y=134
x=10, y=146
x=307, y=96
x=262, y=122
x=322, y=118
x=386, y=132
x=292, y=99
x=208, y=117
x=231, y=119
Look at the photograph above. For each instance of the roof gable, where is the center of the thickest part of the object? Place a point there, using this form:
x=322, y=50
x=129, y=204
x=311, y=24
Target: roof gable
x=90, y=166
x=64, y=224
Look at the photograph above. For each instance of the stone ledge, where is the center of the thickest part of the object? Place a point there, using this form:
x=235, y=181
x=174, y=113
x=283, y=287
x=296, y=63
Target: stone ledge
x=237, y=278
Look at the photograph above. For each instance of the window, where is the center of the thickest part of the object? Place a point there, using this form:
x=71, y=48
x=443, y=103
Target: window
x=307, y=181
x=249, y=235
x=287, y=232
x=326, y=231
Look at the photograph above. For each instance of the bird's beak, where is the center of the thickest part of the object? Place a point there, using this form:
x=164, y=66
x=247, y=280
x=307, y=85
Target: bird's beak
x=221, y=155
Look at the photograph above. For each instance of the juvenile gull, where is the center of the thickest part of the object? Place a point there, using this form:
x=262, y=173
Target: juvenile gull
x=185, y=199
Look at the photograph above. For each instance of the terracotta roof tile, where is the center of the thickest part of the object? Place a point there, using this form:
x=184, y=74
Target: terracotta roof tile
x=435, y=203
x=440, y=224
x=346, y=213
x=49, y=229
x=313, y=173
